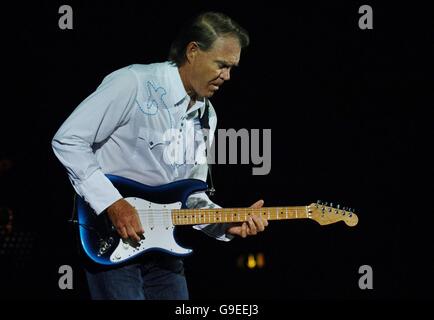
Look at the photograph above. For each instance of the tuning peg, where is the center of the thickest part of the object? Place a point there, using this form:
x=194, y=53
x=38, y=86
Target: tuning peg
x=318, y=201
x=338, y=206
x=331, y=204
x=325, y=203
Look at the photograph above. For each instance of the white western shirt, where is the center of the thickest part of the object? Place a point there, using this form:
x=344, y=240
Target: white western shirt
x=124, y=129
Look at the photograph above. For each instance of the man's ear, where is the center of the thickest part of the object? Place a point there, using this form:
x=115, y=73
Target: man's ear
x=191, y=51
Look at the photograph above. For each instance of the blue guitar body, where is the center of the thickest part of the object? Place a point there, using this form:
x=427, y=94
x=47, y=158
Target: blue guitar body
x=102, y=243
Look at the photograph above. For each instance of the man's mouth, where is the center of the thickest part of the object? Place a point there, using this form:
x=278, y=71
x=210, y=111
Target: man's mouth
x=216, y=85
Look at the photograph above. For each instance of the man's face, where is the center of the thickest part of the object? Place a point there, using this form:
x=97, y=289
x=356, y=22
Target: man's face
x=211, y=68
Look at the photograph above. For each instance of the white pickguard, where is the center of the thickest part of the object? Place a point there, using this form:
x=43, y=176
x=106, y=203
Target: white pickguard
x=158, y=227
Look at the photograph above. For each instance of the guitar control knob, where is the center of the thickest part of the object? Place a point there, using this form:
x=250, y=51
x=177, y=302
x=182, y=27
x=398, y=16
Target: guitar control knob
x=117, y=256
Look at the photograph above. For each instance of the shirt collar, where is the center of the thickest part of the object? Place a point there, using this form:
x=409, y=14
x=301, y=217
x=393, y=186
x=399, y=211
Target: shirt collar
x=176, y=86
x=179, y=93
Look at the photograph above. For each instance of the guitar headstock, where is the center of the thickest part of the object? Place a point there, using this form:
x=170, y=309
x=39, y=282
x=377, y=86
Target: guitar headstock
x=324, y=214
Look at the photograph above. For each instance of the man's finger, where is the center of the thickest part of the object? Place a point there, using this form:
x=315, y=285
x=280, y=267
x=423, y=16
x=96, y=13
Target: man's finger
x=137, y=225
x=123, y=232
x=258, y=223
x=132, y=234
x=265, y=221
x=244, y=230
x=252, y=227
x=257, y=204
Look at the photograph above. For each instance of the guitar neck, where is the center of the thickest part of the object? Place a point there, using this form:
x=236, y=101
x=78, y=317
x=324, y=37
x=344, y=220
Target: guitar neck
x=227, y=215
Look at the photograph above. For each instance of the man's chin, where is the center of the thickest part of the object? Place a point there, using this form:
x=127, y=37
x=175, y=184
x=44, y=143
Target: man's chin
x=210, y=93
x=207, y=94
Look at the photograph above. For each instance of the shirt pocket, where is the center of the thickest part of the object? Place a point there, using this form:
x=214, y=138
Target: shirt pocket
x=151, y=137
x=150, y=145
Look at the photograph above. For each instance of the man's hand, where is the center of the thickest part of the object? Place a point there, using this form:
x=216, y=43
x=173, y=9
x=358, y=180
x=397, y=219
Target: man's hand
x=250, y=227
x=126, y=220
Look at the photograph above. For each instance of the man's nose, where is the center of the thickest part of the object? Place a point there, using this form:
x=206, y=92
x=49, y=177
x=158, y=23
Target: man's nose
x=226, y=75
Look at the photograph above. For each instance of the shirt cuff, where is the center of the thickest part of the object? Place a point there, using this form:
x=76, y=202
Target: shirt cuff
x=98, y=191
x=216, y=231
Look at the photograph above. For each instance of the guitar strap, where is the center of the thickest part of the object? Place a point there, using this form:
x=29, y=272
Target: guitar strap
x=204, y=123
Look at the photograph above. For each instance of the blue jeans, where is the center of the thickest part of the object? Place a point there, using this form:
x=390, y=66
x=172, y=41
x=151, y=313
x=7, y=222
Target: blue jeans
x=158, y=276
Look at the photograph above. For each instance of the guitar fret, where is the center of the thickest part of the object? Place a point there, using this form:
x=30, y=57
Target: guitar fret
x=227, y=215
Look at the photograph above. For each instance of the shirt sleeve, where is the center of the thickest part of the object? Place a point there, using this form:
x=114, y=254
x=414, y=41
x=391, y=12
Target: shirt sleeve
x=201, y=200
x=91, y=123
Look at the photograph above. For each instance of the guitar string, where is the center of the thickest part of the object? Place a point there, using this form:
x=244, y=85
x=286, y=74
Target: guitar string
x=219, y=211
x=226, y=212
x=201, y=213
x=165, y=217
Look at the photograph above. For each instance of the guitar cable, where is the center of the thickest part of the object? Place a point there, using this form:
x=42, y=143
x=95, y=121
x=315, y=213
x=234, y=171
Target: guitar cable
x=74, y=221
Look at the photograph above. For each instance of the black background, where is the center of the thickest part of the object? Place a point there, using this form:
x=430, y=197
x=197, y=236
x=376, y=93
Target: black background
x=350, y=120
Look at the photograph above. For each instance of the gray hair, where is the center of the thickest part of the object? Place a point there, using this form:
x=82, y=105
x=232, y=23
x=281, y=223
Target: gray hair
x=205, y=29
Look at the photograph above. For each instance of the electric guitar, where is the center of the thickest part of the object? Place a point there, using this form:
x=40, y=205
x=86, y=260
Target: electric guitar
x=161, y=208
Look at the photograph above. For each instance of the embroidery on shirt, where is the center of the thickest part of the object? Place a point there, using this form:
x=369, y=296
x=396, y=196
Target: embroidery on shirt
x=155, y=101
